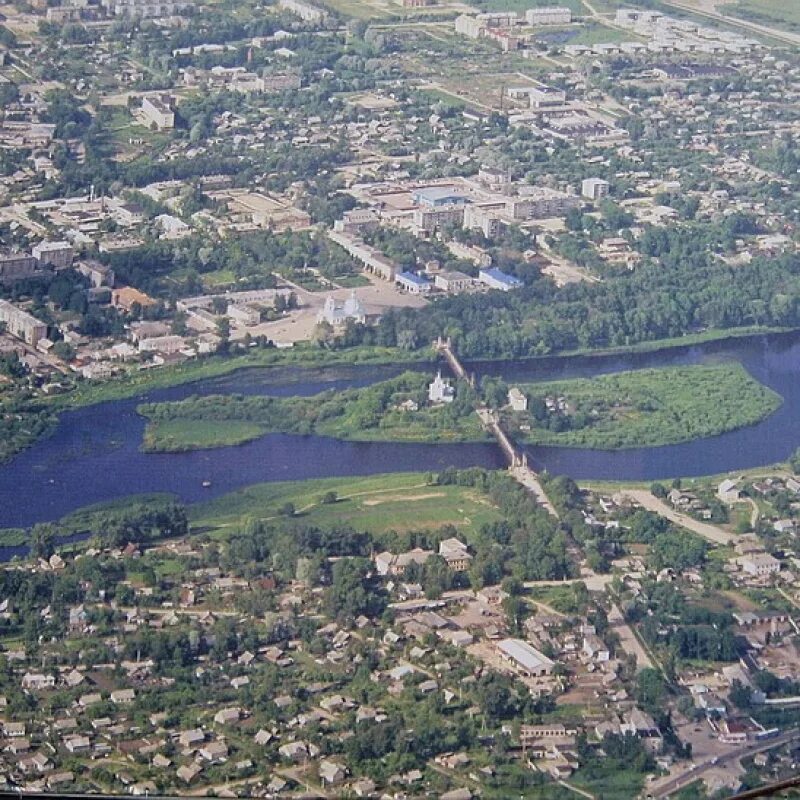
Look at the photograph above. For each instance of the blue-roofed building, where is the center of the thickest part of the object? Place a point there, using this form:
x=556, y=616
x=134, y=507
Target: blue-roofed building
x=496, y=279
x=412, y=283
x=438, y=196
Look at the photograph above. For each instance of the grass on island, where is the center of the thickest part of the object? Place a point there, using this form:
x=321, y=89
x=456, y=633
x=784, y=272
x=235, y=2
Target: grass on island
x=372, y=413
x=182, y=434
x=401, y=501
x=651, y=407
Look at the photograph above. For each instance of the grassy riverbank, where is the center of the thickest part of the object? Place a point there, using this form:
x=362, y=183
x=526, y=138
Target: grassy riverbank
x=373, y=413
x=398, y=501
x=643, y=408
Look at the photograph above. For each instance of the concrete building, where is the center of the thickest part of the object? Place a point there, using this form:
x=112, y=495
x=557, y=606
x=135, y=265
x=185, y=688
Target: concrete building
x=58, y=254
x=539, y=202
x=594, y=188
x=455, y=553
x=146, y=9
x=355, y=221
x=159, y=111
x=453, y=282
x=97, y=273
x=759, y=564
x=17, y=266
x=281, y=81
x=548, y=15
x=21, y=324
x=305, y=11
x=441, y=390
x=525, y=658
x=162, y=344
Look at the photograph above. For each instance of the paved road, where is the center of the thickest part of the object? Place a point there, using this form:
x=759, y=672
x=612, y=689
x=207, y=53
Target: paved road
x=668, y=786
x=709, y=532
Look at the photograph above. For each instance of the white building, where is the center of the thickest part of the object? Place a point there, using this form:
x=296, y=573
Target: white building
x=21, y=324
x=759, y=564
x=158, y=110
x=594, y=188
x=548, y=15
x=441, y=390
x=517, y=399
x=338, y=312
x=526, y=659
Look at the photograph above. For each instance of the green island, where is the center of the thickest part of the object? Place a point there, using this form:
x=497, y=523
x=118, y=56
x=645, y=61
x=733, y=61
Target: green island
x=642, y=408
x=392, y=410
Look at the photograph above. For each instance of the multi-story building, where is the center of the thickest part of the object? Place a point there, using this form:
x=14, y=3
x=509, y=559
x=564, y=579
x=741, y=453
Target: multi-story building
x=159, y=110
x=59, y=254
x=21, y=324
x=539, y=202
x=146, y=9
x=17, y=266
x=305, y=11
x=594, y=188
x=548, y=15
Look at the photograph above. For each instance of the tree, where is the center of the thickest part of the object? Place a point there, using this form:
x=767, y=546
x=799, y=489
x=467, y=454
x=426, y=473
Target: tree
x=649, y=689
x=329, y=498
x=287, y=510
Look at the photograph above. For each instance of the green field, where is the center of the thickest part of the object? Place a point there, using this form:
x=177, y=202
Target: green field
x=401, y=501
x=648, y=408
x=781, y=14
x=180, y=434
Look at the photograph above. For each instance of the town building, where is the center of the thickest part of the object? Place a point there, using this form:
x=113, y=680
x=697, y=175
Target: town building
x=57, y=254
x=17, y=266
x=525, y=658
x=594, y=188
x=453, y=282
x=496, y=279
x=159, y=110
x=21, y=324
x=305, y=11
x=548, y=15
x=412, y=283
x=455, y=553
x=759, y=564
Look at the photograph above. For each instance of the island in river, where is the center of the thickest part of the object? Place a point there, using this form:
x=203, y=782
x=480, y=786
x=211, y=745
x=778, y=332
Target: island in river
x=638, y=408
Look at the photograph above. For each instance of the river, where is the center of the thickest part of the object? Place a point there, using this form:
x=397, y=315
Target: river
x=94, y=453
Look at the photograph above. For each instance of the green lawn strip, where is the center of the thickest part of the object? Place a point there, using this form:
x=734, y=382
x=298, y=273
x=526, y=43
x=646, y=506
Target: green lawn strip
x=652, y=407
x=401, y=501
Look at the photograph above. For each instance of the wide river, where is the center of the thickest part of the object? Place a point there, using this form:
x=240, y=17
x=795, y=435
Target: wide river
x=94, y=454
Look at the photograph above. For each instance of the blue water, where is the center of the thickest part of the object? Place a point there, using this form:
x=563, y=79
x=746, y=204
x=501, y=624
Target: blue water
x=94, y=454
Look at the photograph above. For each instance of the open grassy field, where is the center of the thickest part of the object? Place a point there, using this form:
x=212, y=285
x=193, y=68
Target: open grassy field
x=647, y=408
x=403, y=501
x=782, y=14
x=184, y=434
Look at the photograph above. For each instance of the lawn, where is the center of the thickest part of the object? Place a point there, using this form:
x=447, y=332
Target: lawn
x=404, y=501
x=646, y=408
x=181, y=434
x=782, y=14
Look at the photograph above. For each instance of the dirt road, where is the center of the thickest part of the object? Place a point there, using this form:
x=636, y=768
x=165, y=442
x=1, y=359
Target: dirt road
x=710, y=533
